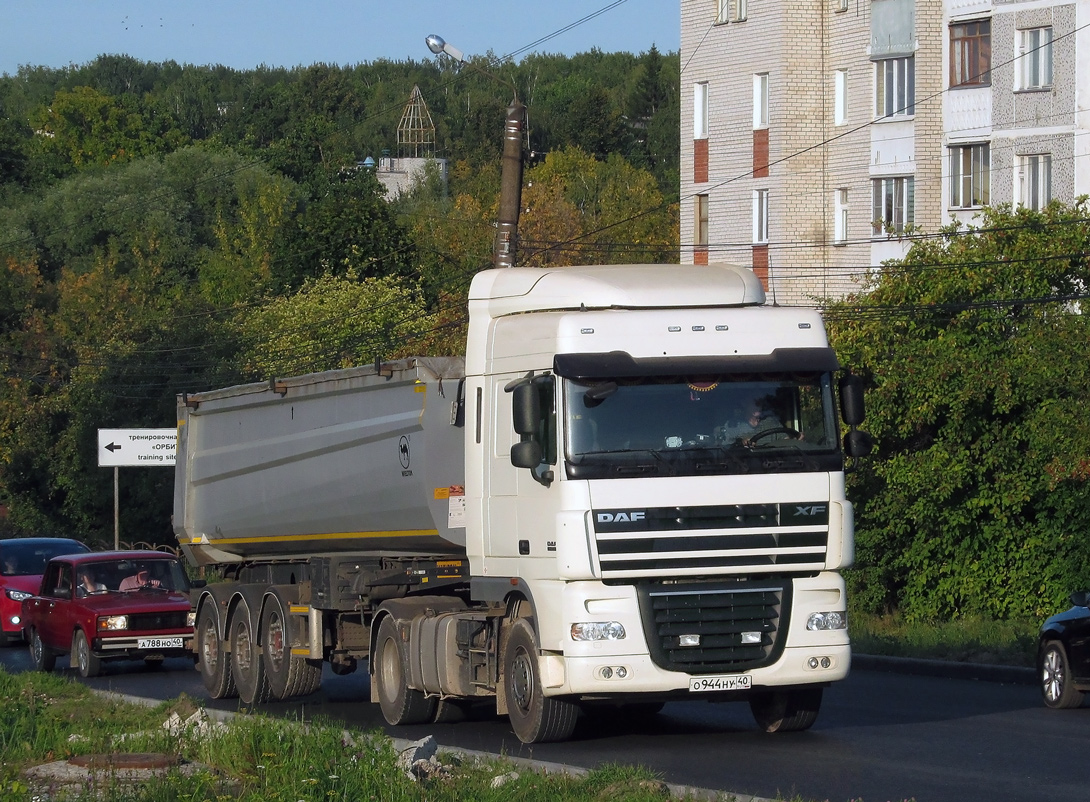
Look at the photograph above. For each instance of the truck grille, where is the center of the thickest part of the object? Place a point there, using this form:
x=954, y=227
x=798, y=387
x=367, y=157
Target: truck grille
x=702, y=541
x=142, y=622
x=709, y=628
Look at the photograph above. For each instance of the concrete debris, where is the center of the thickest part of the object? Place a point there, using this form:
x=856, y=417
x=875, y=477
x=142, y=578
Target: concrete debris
x=418, y=760
x=503, y=779
x=197, y=724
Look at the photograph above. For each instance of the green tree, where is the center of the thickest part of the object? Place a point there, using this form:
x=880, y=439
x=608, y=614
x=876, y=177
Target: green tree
x=976, y=350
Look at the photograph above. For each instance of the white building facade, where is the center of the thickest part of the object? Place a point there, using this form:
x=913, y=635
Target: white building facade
x=818, y=135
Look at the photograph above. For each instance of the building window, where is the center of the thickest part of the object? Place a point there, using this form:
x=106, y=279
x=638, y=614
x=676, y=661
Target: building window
x=1035, y=58
x=895, y=86
x=840, y=5
x=840, y=216
x=970, y=168
x=730, y=11
x=760, y=215
x=760, y=100
x=1035, y=180
x=700, y=111
x=700, y=218
x=971, y=53
x=840, y=98
x=892, y=204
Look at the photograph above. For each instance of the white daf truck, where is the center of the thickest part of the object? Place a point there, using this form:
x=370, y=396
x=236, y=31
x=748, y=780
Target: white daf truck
x=630, y=490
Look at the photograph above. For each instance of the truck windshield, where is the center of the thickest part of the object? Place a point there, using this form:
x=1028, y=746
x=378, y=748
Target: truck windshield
x=699, y=425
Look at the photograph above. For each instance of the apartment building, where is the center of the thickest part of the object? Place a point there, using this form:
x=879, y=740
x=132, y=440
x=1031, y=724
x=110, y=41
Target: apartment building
x=818, y=136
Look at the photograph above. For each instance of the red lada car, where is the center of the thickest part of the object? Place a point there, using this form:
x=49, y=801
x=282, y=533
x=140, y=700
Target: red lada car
x=110, y=605
x=22, y=563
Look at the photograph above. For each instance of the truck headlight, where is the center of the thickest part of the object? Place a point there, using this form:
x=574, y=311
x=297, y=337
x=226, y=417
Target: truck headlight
x=598, y=630
x=18, y=595
x=111, y=623
x=830, y=620
x=191, y=618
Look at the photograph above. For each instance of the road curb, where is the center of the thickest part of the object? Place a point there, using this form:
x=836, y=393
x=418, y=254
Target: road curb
x=1010, y=675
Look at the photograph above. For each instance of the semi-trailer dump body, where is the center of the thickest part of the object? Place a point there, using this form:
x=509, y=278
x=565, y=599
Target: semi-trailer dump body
x=630, y=490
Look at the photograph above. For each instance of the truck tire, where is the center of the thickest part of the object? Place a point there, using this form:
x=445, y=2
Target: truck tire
x=44, y=658
x=786, y=711
x=1054, y=672
x=247, y=669
x=400, y=704
x=86, y=662
x=535, y=718
x=289, y=675
x=212, y=660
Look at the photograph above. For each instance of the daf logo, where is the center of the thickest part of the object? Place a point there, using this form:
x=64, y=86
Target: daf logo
x=620, y=517
x=813, y=509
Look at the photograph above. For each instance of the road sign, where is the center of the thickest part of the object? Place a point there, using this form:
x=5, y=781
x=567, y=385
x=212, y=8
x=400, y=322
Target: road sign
x=128, y=447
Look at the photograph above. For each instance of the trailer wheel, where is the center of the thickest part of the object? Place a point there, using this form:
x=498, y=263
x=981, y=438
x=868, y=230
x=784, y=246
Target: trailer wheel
x=289, y=675
x=212, y=660
x=786, y=711
x=247, y=670
x=535, y=718
x=44, y=658
x=86, y=662
x=400, y=704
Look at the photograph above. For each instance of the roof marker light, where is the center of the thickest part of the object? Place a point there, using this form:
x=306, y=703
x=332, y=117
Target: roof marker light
x=698, y=328
x=586, y=331
x=722, y=328
x=674, y=328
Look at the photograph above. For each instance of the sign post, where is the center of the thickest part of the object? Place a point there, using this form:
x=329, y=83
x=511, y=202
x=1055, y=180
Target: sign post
x=134, y=447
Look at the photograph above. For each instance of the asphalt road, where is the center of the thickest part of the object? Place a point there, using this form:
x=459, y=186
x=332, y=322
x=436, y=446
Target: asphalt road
x=880, y=736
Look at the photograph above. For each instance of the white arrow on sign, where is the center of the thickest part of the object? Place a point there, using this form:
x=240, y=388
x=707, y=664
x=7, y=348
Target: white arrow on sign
x=135, y=447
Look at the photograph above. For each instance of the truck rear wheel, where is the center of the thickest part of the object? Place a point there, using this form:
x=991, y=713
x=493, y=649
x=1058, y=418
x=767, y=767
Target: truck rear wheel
x=400, y=704
x=212, y=660
x=289, y=674
x=786, y=711
x=247, y=670
x=535, y=718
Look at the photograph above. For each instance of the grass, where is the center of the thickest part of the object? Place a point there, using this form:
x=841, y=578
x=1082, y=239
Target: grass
x=1010, y=643
x=47, y=717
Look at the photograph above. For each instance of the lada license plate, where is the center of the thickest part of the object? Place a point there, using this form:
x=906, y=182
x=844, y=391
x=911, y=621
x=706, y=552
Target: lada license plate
x=726, y=682
x=159, y=643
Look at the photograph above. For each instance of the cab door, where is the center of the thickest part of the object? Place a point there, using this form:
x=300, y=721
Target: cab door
x=54, y=619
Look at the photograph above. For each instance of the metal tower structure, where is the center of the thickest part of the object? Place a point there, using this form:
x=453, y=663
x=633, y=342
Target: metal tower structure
x=416, y=131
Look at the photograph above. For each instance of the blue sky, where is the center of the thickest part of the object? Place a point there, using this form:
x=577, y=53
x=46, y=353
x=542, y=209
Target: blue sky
x=246, y=33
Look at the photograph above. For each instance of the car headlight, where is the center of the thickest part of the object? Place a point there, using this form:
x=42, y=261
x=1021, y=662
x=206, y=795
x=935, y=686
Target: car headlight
x=112, y=623
x=834, y=619
x=18, y=595
x=598, y=630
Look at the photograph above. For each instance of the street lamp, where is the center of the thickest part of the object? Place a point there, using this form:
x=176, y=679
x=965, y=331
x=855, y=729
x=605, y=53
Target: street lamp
x=507, y=217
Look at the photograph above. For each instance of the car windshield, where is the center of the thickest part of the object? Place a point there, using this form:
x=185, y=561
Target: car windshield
x=693, y=425
x=130, y=575
x=28, y=557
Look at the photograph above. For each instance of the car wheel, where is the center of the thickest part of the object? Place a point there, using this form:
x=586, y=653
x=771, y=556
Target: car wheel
x=1057, y=685
x=786, y=711
x=290, y=675
x=86, y=662
x=247, y=670
x=213, y=662
x=44, y=658
x=400, y=704
x=535, y=718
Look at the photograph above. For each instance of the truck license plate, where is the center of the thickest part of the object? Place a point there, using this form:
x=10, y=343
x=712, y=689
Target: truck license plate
x=159, y=643
x=727, y=682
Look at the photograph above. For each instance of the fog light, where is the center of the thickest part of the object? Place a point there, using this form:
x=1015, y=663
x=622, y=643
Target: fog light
x=622, y=672
x=598, y=630
x=812, y=662
x=825, y=621
x=607, y=672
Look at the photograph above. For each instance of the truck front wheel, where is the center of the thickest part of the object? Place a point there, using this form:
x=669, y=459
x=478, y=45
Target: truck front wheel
x=535, y=718
x=212, y=660
x=400, y=704
x=791, y=710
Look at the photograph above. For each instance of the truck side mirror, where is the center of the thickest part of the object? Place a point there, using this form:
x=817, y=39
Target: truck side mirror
x=526, y=454
x=851, y=400
x=525, y=409
x=858, y=443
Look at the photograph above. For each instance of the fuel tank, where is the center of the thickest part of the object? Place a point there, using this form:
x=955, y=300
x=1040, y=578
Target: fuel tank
x=363, y=461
